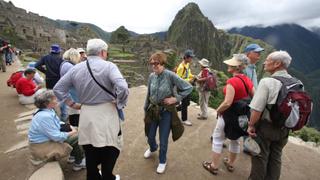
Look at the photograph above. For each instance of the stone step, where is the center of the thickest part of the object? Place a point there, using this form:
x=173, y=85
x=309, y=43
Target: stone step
x=23, y=126
x=23, y=132
x=50, y=171
x=30, y=106
x=22, y=119
x=18, y=146
x=27, y=113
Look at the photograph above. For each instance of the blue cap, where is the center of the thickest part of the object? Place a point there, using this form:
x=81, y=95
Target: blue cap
x=55, y=48
x=254, y=48
x=32, y=65
x=189, y=53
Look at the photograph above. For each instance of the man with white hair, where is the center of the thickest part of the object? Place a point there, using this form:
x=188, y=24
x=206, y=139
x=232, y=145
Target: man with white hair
x=99, y=125
x=271, y=138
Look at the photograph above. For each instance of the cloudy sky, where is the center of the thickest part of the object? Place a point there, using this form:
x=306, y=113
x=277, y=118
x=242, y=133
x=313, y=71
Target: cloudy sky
x=147, y=16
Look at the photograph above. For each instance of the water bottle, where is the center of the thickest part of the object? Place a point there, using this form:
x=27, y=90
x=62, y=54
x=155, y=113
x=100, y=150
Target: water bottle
x=243, y=122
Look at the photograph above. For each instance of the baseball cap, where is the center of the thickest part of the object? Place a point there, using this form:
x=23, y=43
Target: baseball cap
x=189, y=53
x=254, y=48
x=55, y=48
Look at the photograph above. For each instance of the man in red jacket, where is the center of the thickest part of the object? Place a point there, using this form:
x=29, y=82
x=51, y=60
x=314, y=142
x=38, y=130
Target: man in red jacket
x=26, y=88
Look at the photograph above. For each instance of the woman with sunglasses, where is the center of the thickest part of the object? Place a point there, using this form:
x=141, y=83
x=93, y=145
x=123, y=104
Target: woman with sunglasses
x=160, y=107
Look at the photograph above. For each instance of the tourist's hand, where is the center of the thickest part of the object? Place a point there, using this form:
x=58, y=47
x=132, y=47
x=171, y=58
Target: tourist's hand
x=77, y=106
x=73, y=131
x=170, y=100
x=252, y=131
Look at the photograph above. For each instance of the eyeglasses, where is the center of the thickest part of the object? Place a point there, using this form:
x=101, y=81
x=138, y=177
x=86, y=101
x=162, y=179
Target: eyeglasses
x=154, y=63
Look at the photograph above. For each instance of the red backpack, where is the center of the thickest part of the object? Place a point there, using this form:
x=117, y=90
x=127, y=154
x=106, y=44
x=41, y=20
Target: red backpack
x=11, y=82
x=211, y=82
x=293, y=107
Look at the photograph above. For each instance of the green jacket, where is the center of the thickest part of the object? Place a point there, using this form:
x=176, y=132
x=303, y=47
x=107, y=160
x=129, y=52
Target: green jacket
x=153, y=114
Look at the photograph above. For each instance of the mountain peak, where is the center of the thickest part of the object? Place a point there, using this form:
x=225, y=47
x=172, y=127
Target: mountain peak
x=190, y=12
x=190, y=29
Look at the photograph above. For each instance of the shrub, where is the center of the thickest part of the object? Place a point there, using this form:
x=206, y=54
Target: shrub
x=308, y=134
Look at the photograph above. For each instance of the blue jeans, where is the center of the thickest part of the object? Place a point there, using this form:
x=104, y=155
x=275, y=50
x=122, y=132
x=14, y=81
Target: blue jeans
x=64, y=112
x=164, y=131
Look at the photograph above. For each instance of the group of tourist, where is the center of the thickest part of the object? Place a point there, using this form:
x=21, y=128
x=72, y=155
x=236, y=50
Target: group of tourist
x=97, y=87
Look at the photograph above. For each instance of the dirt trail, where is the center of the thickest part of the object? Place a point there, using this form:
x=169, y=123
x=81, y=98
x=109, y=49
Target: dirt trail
x=184, y=156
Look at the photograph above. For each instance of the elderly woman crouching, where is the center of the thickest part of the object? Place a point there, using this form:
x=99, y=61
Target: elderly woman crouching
x=46, y=140
x=238, y=87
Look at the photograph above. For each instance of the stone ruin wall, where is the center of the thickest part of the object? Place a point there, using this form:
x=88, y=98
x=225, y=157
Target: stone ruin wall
x=39, y=32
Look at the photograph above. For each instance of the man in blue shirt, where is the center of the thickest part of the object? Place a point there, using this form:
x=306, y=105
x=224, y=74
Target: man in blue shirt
x=253, y=53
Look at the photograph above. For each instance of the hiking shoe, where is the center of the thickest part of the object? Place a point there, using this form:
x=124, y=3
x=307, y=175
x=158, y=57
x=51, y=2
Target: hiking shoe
x=78, y=167
x=187, y=123
x=161, y=168
x=147, y=154
x=71, y=159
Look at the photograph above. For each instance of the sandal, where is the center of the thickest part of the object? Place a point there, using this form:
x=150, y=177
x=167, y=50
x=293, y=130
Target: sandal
x=229, y=167
x=208, y=166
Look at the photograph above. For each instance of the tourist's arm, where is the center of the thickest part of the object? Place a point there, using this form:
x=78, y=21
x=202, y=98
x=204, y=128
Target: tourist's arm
x=228, y=99
x=39, y=65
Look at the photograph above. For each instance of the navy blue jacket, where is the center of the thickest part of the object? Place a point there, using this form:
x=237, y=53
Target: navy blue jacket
x=52, y=64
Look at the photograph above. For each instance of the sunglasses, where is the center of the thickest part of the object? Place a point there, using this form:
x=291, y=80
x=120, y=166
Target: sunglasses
x=154, y=63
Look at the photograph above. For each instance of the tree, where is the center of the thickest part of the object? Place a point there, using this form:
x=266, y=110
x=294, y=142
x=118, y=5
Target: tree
x=120, y=36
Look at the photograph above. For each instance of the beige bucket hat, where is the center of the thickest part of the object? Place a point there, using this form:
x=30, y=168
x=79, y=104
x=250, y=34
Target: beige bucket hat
x=204, y=62
x=237, y=60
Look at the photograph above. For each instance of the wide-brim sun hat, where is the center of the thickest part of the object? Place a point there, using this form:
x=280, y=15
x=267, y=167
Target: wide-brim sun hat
x=204, y=62
x=232, y=62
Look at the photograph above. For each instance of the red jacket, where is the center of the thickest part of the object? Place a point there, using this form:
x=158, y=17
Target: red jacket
x=25, y=86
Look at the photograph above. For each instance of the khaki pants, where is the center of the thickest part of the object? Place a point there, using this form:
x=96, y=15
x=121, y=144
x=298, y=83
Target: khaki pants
x=203, y=101
x=267, y=166
x=3, y=62
x=49, y=151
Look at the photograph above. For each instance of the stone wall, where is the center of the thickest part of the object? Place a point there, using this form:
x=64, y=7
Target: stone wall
x=36, y=32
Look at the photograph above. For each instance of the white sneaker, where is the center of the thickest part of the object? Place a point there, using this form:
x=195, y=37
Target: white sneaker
x=161, y=168
x=78, y=167
x=147, y=154
x=71, y=159
x=117, y=177
x=187, y=123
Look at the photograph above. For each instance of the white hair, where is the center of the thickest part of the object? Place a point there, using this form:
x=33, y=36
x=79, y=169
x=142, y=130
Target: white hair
x=282, y=56
x=65, y=55
x=42, y=100
x=95, y=46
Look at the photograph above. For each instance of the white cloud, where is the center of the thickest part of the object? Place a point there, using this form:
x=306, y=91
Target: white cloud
x=147, y=16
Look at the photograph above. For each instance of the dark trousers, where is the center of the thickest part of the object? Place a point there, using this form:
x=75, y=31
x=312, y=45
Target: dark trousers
x=267, y=166
x=74, y=119
x=183, y=107
x=106, y=156
x=51, y=82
